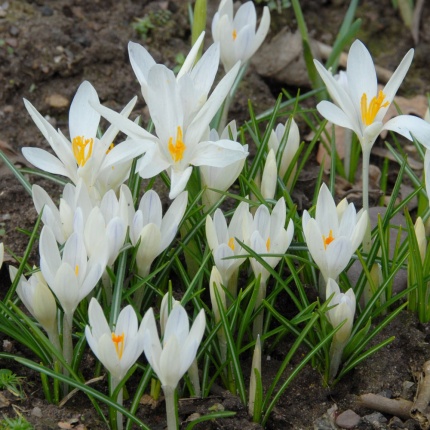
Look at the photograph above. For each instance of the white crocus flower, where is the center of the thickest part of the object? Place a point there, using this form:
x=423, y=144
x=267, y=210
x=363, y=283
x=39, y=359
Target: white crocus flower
x=179, y=342
x=39, y=301
x=84, y=156
x=119, y=348
x=221, y=178
x=155, y=232
x=343, y=311
x=71, y=276
x=223, y=242
x=237, y=35
x=62, y=219
x=269, y=236
x=167, y=304
x=333, y=237
x=172, y=358
x=179, y=145
x=361, y=107
x=289, y=150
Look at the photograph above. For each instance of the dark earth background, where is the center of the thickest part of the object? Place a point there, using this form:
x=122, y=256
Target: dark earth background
x=47, y=48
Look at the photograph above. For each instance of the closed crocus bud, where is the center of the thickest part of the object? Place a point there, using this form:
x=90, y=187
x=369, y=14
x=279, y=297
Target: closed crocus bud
x=343, y=310
x=215, y=283
x=420, y=234
x=38, y=299
x=179, y=342
x=289, y=150
x=238, y=37
x=270, y=177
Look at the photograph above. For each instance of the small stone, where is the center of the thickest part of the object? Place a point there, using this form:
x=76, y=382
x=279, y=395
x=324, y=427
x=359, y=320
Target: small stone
x=348, y=419
x=37, y=412
x=13, y=30
x=57, y=101
x=377, y=420
x=46, y=11
x=408, y=389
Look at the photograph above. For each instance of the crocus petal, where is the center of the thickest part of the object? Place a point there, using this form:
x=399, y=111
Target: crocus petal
x=408, y=125
x=178, y=181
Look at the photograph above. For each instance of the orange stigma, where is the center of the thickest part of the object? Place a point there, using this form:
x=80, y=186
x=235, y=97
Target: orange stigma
x=329, y=239
x=231, y=243
x=117, y=340
x=234, y=34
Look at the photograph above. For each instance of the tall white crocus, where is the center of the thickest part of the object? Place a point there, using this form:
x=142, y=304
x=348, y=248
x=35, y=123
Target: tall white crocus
x=173, y=357
x=62, y=219
x=285, y=147
x=195, y=78
x=267, y=235
x=238, y=36
x=117, y=349
x=179, y=146
x=343, y=311
x=361, y=107
x=84, y=155
x=332, y=237
x=71, y=276
x=223, y=242
x=221, y=178
x=39, y=301
x=154, y=231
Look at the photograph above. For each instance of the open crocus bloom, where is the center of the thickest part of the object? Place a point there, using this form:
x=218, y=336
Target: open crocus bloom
x=173, y=358
x=359, y=106
x=269, y=236
x=334, y=235
x=84, y=156
x=117, y=349
x=237, y=36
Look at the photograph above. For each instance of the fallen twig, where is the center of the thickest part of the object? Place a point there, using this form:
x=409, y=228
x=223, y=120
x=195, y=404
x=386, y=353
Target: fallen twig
x=420, y=410
x=397, y=407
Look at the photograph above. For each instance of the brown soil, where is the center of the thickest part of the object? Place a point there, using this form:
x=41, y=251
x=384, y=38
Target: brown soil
x=47, y=48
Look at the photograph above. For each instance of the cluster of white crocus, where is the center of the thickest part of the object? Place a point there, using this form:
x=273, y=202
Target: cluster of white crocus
x=341, y=311
x=237, y=34
x=119, y=348
x=334, y=234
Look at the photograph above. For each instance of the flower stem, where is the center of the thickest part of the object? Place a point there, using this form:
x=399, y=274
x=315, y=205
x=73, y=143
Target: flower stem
x=119, y=400
x=336, y=351
x=67, y=345
x=258, y=322
x=169, y=395
x=367, y=241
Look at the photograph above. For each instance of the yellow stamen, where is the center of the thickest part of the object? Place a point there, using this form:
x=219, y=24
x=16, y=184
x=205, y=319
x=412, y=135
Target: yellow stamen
x=82, y=149
x=178, y=148
x=231, y=243
x=329, y=239
x=268, y=244
x=234, y=34
x=369, y=112
x=76, y=270
x=118, y=339
x=111, y=146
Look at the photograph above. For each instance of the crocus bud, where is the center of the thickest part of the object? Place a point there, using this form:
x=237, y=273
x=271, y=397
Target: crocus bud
x=270, y=176
x=420, y=234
